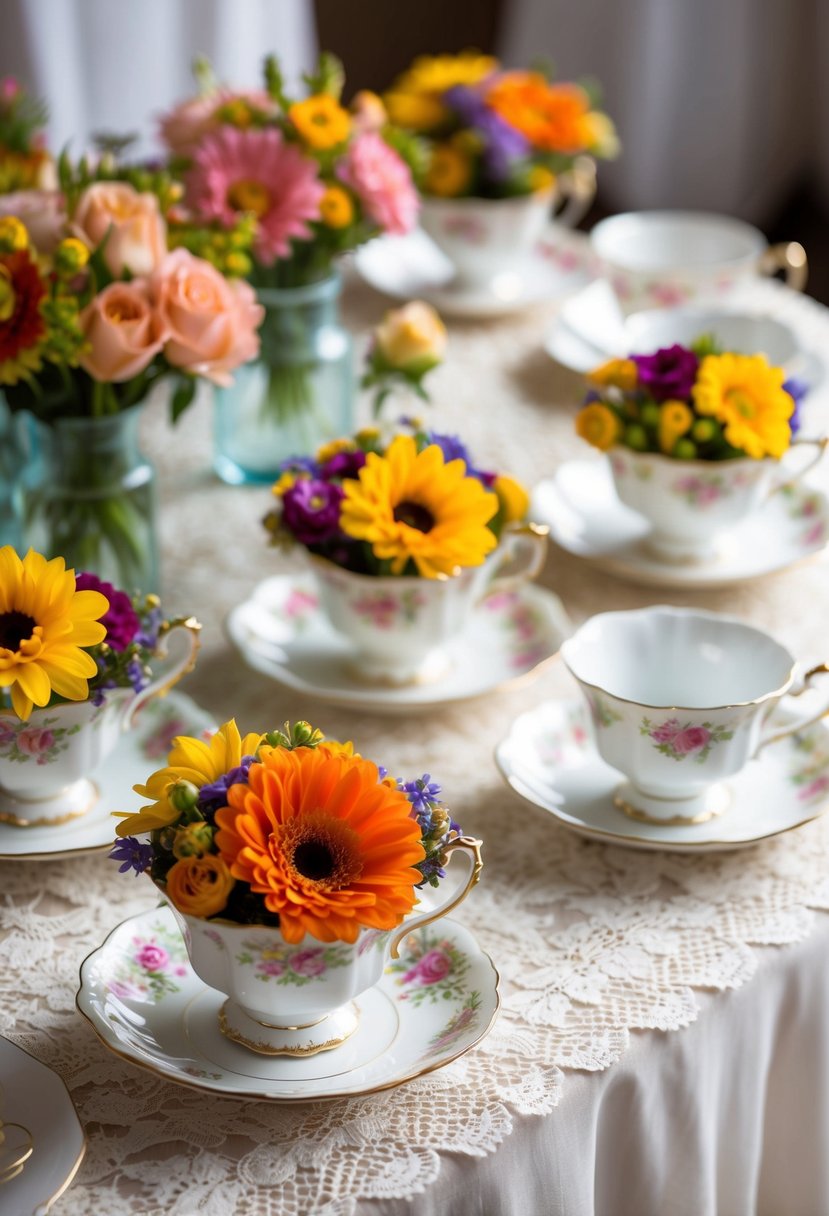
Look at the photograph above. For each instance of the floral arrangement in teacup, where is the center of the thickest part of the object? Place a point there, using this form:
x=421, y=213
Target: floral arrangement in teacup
x=407, y=344
x=290, y=860
x=695, y=437
x=76, y=662
x=405, y=535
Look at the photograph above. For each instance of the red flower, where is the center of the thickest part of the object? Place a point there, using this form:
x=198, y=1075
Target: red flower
x=23, y=327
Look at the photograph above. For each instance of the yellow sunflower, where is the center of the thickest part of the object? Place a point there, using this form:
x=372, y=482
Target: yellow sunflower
x=192, y=760
x=44, y=623
x=746, y=395
x=412, y=506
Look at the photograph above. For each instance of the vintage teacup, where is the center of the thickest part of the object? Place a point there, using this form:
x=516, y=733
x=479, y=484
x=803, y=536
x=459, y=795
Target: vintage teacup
x=662, y=259
x=48, y=763
x=690, y=504
x=297, y=1000
x=744, y=333
x=400, y=627
x=680, y=701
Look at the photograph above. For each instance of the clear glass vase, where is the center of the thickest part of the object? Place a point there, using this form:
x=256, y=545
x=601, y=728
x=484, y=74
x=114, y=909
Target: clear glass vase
x=88, y=495
x=297, y=395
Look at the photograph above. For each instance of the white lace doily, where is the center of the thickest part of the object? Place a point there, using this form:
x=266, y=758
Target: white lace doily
x=591, y=941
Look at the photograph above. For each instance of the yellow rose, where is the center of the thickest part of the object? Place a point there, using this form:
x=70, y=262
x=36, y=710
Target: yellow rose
x=200, y=886
x=411, y=338
x=598, y=425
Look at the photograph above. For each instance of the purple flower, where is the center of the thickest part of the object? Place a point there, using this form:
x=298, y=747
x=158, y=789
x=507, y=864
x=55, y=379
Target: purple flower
x=669, y=373
x=216, y=791
x=299, y=464
x=344, y=464
x=453, y=448
x=121, y=620
x=797, y=390
x=502, y=143
x=311, y=510
x=133, y=855
x=147, y=637
x=421, y=793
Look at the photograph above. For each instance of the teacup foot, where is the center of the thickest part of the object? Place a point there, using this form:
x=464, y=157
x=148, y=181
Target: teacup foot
x=672, y=812
x=675, y=553
x=69, y=803
x=434, y=668
x=309, y=1039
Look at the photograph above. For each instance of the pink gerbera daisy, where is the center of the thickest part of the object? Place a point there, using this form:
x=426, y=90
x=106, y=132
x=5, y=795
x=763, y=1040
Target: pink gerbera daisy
x=383, y=183
x=257, y=171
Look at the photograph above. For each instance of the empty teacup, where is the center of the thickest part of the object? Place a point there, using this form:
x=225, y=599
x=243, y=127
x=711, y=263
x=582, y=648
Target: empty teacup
x=680, y=701
x=663, y=259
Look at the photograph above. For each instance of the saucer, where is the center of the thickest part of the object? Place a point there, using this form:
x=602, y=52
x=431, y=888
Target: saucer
x=34, y=1098
x=550, y=759
x=168, y=1020
x=585, y=517
x=137, y=753
x=281, y=632
x=412, y=267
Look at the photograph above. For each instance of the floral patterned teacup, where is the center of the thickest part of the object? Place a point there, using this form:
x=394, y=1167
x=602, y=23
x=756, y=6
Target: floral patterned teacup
x=47, y=764
x=691, y=503
x=400, y=628
x=680, y=701
x=297, y=1000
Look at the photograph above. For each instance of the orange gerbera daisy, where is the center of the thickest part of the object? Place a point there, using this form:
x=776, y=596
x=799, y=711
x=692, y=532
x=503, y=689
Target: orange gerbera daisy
x=553, y=117
x=330, y=847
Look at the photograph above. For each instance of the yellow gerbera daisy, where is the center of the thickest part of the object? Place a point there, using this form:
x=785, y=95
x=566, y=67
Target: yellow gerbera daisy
x=412, y=506
x=320, y=120
x=192, y=760
x=44, y=623
x=746, y=395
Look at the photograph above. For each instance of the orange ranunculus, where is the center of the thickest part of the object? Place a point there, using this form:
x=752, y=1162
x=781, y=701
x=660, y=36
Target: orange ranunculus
x=137, y=239
x=329, y=847
x=200, y=886
x=553, y=117
x=123, y=332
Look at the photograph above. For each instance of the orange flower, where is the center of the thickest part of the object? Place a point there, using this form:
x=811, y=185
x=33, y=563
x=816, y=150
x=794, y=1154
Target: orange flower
x=551, y=116
x=199, y=886
x=329, y=846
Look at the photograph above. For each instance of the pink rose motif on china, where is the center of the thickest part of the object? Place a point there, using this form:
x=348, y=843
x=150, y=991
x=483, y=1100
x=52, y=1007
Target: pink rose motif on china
x=381, y=611
x=36, y=742
x=161, y=739
x=678, y=741
x=309, y=963
x=668, y=295
x=701, y=491
x=271, y=966
x=152, y=957
x=433, y=967
x=299, y=604
x=814, y=789
x=466, y=228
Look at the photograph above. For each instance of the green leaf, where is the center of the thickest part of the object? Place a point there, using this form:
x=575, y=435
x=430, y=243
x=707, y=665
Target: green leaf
x=182, y=398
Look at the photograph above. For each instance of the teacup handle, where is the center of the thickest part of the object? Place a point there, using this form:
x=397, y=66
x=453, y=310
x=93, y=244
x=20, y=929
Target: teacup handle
x=525, y=544
x=470, y=850
x=790, y=257
x=808, y=719
x=821, y=445
x=187, y=636
x=578, y=189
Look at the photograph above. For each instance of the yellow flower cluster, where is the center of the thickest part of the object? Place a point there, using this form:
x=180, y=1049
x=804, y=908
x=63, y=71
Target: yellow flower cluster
x=414, y=99
x=746, y=395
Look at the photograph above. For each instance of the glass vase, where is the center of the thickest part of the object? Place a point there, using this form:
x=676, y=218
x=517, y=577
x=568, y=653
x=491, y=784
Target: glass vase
x=89, y=496
x=297, y=395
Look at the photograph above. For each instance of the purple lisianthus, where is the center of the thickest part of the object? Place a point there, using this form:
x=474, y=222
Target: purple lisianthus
x=133, y=854
x=120, y=620
x=669, y=373
x=311, y=510
x=343, y=465
x=216, y=791
x=503, y=145
x=797, y=390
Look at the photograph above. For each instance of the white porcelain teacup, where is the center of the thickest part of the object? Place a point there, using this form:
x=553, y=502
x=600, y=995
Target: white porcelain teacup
x=691, y=504
x=296, y=1000
x=48, y=763
x=744, y=333
x=680, y=701
x=663, y=259
x=400, y=627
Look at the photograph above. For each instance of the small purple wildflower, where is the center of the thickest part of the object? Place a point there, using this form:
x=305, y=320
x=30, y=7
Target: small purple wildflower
x=133, y=854
x=421, y=793
x=503, y=144
x=137, y=675
x=342, y=465
x=147, y=637
x=216, y=791
x=797, y=390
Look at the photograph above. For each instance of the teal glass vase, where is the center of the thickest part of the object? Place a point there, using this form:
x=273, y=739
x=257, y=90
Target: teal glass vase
x=297, y=395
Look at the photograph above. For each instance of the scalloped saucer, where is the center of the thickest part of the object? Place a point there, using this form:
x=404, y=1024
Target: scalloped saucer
x=167, y=1020
x=585, y=517
x=549, y=758
x=130, y=762
x=412, y=267
x=281, y=632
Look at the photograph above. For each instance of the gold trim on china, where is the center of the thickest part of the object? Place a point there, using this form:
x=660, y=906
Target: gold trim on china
x=265, y=1049
x=46, y=821
x=25, y=1152
x=675, y=821
x=470, y=845
x=194, y=628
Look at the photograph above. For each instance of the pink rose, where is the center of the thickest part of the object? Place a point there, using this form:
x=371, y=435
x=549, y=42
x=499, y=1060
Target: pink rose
x=152, y=957
x=137, y=234
x=690, y=740
x=308, y=962
x=431, y=969
x=43, y=213
x=666, y=732
x=33, y=741
x=383, y=183
x=123, y=330
x=270, y=967
x=211, y=322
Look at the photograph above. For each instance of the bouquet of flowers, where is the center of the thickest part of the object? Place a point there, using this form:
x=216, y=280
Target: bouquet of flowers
x=416, y=504
x=25, y=162
x=286, y=829
x=404, y=348
x=692, y=403
x=491, y=133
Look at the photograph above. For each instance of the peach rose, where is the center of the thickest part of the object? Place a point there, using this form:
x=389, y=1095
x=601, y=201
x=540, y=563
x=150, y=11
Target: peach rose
x=43, y=214
x=211, y=322
x=137, y=233
x=123, y=331
x=200, y=886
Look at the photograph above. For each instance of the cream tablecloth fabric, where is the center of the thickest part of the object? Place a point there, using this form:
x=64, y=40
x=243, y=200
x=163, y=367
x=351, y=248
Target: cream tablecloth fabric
x=579, y=1101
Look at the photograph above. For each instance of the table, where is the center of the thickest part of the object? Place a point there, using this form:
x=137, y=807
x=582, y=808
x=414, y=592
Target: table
x=624, y=1075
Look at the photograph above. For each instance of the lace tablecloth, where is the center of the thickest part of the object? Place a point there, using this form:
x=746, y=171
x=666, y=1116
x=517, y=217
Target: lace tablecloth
x=592, y=942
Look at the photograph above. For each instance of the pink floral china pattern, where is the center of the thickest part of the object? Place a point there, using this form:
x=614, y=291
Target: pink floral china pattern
x=152, y=965
x=286, y=966
x=22, y=743
x=431, y=969
x=681, y=740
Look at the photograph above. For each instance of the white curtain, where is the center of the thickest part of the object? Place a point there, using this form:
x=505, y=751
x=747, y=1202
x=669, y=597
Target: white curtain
x=718, y=102
x=115, y=65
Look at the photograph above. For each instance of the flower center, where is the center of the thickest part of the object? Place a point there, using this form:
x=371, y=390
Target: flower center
x=321, y=851
x=15, y=627
x=314, y=859
x=249, y=195
x=414, y=515
x=741, y=402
